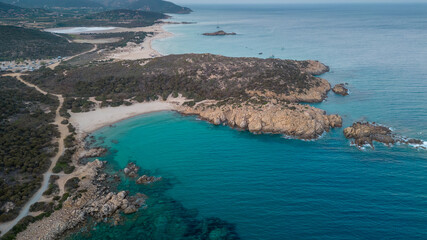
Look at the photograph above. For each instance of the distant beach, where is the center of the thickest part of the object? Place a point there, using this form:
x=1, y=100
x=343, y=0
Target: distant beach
x=132, y=51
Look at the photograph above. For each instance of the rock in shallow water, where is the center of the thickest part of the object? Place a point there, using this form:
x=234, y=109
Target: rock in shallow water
x=340, y=89
x=144, y=179
x=366, y=133
x=131, y=170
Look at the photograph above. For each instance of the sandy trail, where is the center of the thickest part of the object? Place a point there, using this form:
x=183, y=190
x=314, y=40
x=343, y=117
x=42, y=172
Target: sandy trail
x=53, y=66
x=63, y=130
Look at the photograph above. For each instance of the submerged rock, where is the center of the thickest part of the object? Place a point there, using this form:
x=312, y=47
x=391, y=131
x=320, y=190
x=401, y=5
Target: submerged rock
x=131, y=170
x=144, y=179
x=365, y=133
x=340, y=89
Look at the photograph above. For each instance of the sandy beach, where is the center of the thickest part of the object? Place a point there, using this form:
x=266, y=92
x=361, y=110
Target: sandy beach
x=132, y=51
x=88, y=122
x=144, y=50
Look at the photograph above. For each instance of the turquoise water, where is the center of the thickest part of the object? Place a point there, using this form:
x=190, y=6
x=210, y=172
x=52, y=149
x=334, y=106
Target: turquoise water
x=270, y=187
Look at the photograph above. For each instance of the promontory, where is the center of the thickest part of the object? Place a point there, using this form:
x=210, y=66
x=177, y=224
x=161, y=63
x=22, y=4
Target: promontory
x=259, y=95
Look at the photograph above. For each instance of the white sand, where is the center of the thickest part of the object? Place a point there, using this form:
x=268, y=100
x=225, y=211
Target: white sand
x=144, y=50
x=87, y=122
x=90, y=121
x=132, y=51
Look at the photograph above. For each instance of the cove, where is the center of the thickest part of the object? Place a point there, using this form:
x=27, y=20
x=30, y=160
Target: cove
x=268, y=186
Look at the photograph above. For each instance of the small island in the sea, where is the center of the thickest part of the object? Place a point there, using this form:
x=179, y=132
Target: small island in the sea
x=219, y=33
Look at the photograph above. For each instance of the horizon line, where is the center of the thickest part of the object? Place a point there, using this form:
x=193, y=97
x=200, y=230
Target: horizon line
x=304, y=3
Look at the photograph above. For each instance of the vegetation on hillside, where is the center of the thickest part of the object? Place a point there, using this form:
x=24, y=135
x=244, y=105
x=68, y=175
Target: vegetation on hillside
x=55, y=3
x=196, y=76
x=145, y=5
x=11, y=11
x=22, y=43
x=26, y=136
x=115, y=18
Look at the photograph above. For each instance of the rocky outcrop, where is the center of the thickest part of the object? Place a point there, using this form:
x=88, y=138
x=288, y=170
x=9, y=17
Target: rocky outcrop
x=313, y=67
x=365, y=133
x=219, y=33
x=340, y=89
x=131, y=170
x=95, y=201
x=92, y=153
x=296, y=120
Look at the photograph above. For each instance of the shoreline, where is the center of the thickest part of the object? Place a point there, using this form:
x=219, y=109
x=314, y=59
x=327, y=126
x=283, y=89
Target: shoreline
x=89, y=122
x=144, y=50
x=131, y=51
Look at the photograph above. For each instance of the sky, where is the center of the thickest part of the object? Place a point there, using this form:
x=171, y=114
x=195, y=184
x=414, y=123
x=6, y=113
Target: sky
x=292, y=1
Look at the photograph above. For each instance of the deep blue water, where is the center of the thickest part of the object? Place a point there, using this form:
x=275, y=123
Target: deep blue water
x=276, y=188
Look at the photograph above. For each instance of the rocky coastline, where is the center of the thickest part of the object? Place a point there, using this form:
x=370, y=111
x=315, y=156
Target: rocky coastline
x=271, y=112
x=275, y=105
x=92, y=198
x=299, y=121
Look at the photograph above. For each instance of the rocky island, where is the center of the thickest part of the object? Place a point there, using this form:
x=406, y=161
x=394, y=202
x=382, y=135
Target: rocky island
x=340, y=89
x=219, y=33
x=365, y=133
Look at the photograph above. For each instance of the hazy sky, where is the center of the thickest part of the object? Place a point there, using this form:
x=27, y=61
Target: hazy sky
x=295, y=1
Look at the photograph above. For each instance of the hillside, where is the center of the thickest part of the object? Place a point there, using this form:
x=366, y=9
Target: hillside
x=23, y=43
x=260, y=95
x=54, y=3
x=11, y=11
x=116, y=18
x=198, y=76
x=145, y=5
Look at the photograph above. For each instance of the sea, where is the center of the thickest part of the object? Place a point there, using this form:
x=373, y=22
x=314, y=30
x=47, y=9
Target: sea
x=222, y=183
